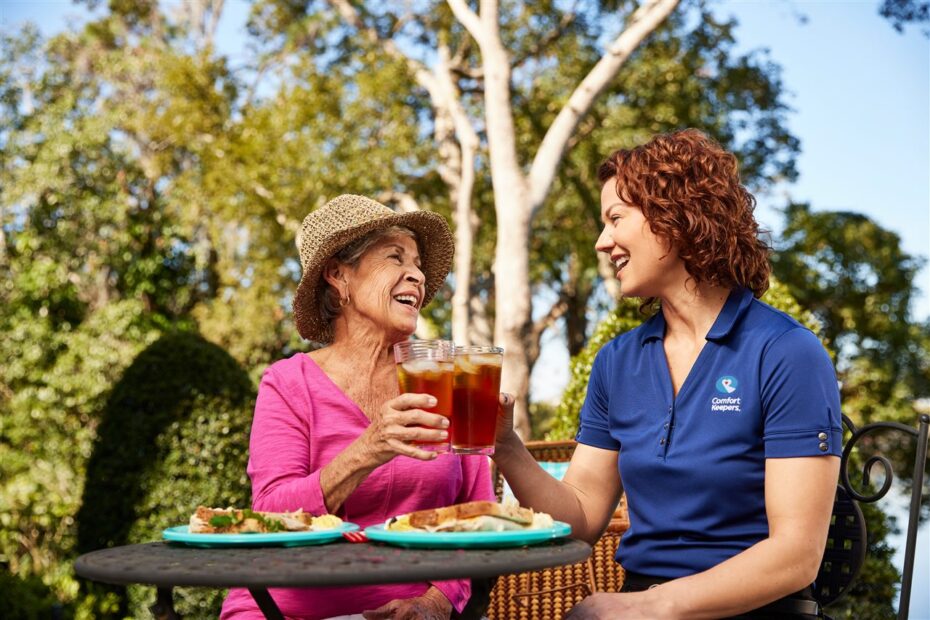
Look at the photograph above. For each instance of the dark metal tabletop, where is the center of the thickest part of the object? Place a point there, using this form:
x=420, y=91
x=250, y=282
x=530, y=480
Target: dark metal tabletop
x=169, y=564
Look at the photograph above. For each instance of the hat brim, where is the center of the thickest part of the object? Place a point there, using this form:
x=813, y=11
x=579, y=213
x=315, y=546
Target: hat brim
x=436, y=245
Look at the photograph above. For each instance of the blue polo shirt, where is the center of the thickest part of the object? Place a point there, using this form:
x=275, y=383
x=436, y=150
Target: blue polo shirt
x=693, y=466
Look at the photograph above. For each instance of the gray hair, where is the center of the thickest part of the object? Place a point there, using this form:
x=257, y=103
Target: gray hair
x=349, y=256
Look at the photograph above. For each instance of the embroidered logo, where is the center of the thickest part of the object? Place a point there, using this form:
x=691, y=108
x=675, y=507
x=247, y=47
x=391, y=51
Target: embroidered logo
x=726, y=385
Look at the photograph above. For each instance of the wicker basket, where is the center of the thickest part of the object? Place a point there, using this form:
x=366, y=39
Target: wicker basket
x=550, y=593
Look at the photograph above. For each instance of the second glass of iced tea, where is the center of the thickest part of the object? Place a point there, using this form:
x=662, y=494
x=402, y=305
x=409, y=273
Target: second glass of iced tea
x=426, y=367
x=475, y=399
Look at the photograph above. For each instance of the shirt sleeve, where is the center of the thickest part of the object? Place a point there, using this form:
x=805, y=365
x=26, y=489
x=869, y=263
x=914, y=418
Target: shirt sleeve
x=800, y=398
x=279, y=453
x=476, y=485
x=594, y=425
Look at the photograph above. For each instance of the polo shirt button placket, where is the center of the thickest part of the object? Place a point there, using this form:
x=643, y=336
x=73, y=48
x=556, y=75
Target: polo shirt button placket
x=664, y=438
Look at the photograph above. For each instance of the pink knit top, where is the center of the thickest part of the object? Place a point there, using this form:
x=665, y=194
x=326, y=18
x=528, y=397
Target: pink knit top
x=302, y=421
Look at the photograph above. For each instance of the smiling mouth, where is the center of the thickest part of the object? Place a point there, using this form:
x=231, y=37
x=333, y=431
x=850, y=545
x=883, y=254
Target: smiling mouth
x=407, y=300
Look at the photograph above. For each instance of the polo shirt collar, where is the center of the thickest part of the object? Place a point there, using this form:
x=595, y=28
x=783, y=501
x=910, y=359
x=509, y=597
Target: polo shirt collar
x=733, y=309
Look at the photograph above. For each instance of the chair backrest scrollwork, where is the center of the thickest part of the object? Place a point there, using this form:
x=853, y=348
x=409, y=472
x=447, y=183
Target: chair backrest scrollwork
x=846, y=542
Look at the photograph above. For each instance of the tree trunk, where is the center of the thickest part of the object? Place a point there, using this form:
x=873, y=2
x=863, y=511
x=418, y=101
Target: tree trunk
x=513, y=301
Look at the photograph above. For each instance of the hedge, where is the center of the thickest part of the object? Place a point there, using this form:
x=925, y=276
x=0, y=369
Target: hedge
x=174, y=434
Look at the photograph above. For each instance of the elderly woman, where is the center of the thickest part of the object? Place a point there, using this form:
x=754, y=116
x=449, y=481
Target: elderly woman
x=720, y=414
x=331, y=434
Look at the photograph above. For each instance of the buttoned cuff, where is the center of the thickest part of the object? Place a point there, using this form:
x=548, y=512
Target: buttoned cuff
x=810, y=442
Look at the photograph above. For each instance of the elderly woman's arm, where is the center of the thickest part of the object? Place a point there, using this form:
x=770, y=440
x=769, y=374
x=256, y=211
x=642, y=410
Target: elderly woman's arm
x=280, y=449
x=388, y=435
x=798, y=501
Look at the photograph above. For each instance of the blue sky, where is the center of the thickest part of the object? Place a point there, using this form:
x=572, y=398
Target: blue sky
x=861, y=95
x=861, y=98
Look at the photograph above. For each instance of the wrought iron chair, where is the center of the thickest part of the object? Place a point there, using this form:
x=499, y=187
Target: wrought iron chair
x=847, y=538
x=550, y=593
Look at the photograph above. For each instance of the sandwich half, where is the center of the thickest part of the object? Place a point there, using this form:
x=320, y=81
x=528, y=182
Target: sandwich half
x=244, y=521
x=480, y=516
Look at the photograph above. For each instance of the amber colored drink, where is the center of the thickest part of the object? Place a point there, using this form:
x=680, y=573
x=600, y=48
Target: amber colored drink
x=426, y=367
x=475, y=399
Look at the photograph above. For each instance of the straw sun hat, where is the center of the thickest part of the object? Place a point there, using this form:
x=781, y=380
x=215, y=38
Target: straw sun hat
x=345, y=219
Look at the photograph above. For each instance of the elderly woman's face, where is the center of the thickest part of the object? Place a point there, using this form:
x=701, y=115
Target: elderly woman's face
x=387, y=285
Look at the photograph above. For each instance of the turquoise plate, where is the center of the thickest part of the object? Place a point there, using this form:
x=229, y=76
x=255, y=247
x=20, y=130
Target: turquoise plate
x=467, y=540
x=272, y=539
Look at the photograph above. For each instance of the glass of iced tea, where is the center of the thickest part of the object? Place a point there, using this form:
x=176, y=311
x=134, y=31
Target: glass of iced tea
x=427, y=367
x=474, y=394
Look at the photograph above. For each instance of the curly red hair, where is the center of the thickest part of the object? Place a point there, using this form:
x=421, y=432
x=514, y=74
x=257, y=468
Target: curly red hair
x=688, y=188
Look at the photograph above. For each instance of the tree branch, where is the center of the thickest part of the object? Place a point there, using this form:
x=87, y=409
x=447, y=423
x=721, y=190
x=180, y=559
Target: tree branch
x=642, y=23
x=469, y=19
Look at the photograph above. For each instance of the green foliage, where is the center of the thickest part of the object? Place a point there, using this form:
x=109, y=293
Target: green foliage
x=27, y=598
x=59, y=380
x=904, y=12
x=174, y=434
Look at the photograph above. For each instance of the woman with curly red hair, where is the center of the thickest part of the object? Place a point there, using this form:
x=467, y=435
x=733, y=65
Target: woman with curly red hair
x=719, y=416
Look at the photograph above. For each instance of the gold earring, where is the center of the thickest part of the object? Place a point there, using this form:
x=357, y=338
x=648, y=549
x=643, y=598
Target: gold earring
x=344, y=301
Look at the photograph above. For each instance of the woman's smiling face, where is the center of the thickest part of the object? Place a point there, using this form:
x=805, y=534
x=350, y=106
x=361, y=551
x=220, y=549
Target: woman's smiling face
x=644, y=263
x=386, y=288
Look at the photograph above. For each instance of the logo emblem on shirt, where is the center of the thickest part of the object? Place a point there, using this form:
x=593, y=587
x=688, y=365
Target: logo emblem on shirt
x=733, y=404
x=727, y=384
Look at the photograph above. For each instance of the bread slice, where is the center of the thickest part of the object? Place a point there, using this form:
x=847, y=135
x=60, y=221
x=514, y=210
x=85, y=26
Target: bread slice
x=435, y=517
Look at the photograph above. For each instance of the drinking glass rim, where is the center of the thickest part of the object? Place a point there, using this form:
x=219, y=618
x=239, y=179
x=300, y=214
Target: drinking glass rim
x=477, y=348
x=408, y=347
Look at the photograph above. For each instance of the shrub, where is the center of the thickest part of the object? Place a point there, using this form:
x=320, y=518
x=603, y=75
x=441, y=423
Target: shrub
x=27, y=598
x=174, y=434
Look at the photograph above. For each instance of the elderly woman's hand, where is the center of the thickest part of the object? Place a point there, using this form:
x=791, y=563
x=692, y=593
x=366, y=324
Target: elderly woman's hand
x=400, y=423
x=433, y=605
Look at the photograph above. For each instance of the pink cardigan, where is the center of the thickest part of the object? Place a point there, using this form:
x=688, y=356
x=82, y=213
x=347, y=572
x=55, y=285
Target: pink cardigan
x=302, y=421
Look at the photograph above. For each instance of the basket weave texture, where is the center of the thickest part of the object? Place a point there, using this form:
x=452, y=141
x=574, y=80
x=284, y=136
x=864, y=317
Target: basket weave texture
x=550, y=593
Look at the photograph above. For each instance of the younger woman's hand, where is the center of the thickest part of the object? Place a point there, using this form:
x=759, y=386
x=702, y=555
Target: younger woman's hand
x=402, y=422
x=608, y=606
x=504, y=431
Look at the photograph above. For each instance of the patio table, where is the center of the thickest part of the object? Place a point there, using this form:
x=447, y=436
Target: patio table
x=166, y=565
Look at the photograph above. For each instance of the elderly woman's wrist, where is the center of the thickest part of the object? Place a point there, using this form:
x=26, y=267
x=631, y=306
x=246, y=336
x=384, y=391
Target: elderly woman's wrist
x=437, y=596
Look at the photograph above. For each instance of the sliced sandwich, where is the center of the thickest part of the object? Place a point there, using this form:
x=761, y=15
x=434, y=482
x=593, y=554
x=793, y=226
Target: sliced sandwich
x=480, y=516
x=243, y=521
